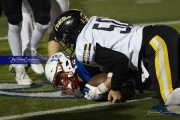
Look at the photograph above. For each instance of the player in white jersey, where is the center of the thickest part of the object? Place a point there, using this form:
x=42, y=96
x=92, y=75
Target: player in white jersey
x=119, y=46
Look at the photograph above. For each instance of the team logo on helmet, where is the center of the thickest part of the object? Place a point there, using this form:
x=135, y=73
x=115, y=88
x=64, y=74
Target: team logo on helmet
x=84, y=18
x=61, y=21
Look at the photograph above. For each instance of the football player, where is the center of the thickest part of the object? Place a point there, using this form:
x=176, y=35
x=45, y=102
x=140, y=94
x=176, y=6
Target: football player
x=118, y=46
x=84, y=72
x=41, y=11
x=28, y=26
x=32, y=35
x=61, y=69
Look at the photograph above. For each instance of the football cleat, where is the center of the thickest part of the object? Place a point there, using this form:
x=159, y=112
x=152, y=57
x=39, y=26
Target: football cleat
x=21, y=77
x=12, y=67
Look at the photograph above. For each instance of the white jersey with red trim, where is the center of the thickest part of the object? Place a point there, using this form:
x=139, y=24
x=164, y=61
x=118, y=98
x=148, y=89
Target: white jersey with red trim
x=109, y=33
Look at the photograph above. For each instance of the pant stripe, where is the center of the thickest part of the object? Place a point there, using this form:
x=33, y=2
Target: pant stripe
x=162, y=67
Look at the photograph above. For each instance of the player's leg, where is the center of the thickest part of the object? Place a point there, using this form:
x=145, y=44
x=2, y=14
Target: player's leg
x=64, y=4
x=26, y=30
x=175, y=95
x=27, y=24
x=162, y=53
x=41, y=12
x=57, y=7
x=14, y=17
x=12, y=9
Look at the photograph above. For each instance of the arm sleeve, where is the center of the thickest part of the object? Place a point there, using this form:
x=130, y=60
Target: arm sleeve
x=115, y=61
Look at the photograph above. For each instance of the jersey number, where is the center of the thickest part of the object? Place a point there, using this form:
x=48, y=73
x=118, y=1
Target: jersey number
x=111, y=27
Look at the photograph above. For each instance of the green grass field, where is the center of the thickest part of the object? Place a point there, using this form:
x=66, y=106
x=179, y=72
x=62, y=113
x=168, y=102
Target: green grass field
x=16, y=104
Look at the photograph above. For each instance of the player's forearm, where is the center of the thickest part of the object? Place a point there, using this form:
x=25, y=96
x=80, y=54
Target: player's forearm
x=107, y=82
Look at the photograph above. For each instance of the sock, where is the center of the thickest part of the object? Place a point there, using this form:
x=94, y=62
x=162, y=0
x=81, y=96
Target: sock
x=64, y=4
x=26, y=31
x=37, y=35
x=14, y=39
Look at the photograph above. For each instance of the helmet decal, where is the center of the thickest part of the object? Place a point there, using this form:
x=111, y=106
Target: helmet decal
x=84, y=18
x=56, y=26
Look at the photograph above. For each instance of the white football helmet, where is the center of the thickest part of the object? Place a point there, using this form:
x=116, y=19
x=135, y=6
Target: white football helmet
x=60, y=70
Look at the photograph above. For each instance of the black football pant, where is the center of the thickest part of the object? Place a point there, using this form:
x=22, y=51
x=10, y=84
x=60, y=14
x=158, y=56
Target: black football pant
x=162, y=52
x=40, y=8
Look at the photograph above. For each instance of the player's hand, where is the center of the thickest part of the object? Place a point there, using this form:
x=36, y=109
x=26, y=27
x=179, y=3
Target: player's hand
x=113, y=96
x=95, y=93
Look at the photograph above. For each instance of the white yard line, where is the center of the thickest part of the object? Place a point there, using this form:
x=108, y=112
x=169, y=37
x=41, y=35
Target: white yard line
x=147, y=1
x=3, y=38
x=165, y=23
x=63, y=110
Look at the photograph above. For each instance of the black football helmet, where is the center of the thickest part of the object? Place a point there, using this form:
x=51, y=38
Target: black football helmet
x=67, y=27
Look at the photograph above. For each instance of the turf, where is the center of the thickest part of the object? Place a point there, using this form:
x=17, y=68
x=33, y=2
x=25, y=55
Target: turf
x=123, y=10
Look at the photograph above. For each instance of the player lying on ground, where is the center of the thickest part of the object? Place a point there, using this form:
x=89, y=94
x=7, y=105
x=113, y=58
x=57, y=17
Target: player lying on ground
x=60, y=70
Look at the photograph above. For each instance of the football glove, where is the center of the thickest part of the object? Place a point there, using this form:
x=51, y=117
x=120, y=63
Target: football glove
x=95, y=93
